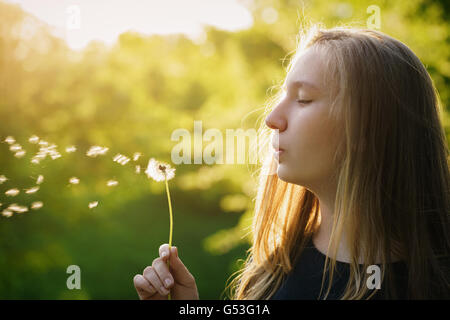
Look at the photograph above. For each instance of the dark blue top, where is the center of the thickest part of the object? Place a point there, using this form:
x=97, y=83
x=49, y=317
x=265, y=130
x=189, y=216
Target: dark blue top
x=305, y=279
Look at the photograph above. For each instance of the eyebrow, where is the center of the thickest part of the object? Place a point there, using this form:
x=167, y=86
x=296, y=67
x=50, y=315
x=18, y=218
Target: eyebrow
x=299, y=83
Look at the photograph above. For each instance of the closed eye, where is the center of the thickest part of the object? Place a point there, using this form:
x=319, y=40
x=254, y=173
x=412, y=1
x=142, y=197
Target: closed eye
x=304, y=101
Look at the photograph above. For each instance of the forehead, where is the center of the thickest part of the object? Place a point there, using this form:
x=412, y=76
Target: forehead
x=307, y=70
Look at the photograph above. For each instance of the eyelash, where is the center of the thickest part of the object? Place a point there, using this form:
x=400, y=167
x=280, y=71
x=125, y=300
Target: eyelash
x=304, y=101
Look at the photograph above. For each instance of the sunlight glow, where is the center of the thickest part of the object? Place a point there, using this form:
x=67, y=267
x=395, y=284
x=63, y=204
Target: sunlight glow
x=81, y=21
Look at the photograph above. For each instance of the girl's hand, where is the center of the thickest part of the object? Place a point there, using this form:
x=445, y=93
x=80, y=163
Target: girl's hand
x=156, y=280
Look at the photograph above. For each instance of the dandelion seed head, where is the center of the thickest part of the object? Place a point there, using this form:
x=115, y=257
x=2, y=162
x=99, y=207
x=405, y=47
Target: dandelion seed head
x=43, y=143
x=10, y=140
x=159, y=171
x=93, y=204
x=74, y=180
x=33, y=139
x=12, y=192
x=37, y=205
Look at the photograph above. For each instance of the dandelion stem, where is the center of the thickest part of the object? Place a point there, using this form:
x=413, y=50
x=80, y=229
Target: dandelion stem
x=171, y=225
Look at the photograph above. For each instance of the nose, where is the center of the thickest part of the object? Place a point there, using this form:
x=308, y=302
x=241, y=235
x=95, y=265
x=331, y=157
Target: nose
x=276, y=120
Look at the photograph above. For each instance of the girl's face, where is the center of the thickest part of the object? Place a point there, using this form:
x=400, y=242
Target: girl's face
x=306, y=133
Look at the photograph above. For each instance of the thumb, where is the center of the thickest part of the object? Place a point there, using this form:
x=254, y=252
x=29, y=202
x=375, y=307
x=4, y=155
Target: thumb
x=178, y=270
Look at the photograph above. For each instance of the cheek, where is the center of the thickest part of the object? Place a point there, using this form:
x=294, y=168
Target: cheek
x=311, y=151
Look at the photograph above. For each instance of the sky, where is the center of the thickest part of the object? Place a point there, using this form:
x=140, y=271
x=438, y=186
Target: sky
x=80, y=21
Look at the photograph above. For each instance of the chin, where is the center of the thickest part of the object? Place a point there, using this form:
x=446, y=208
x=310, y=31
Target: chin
x=283, y=174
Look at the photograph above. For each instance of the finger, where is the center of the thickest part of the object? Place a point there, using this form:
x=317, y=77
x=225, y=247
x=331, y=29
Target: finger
x=161, y=269
x=179, y=271
x=143, y=287
x=151, y=276
x=164, y=251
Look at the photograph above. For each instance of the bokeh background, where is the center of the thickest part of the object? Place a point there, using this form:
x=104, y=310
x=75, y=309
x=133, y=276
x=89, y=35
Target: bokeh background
x=129, y=95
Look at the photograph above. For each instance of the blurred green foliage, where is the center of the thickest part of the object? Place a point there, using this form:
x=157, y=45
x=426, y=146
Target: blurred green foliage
x=130, y=98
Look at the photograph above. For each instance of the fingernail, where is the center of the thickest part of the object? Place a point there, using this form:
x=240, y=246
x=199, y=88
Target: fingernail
x=163, y=254
x=168, y=282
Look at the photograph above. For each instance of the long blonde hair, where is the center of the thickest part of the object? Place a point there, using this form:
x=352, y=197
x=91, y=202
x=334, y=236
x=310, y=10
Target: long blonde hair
x=392, y=171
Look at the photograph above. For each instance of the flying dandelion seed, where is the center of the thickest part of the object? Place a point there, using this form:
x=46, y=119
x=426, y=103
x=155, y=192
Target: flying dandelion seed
x=71, y=149
x=12, y=192
x=74, y=180
x=138, y=169
x=15, y=147
x=32, y=190
x=7, y=213
x=20, y=154
x=112, y=183
x=10, y=140
x=121, y=159
x=95, y=151
x=136, y=156
x=43, y=143
x=17, y=208
x=33, y=139
x=3, y=179
x=37, y=205
x=159, y=171
x=40, y=179
x=45, y=150
x=93, y=204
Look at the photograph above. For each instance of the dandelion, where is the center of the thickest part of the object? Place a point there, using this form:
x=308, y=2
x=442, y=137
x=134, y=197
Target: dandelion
x=93, y=204
x=12, y=192
x=40, y=179
x=160, y=171
x=95, y=151
x=3, y=179
x=33, y=139
x=37, y=205
x=121, y=159
x=71, y=149
x=7, y=213
x=74, y=180
x=10, y=140
x=32, y=190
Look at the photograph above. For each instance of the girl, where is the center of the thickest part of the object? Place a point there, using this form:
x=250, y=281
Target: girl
x=359, y=205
